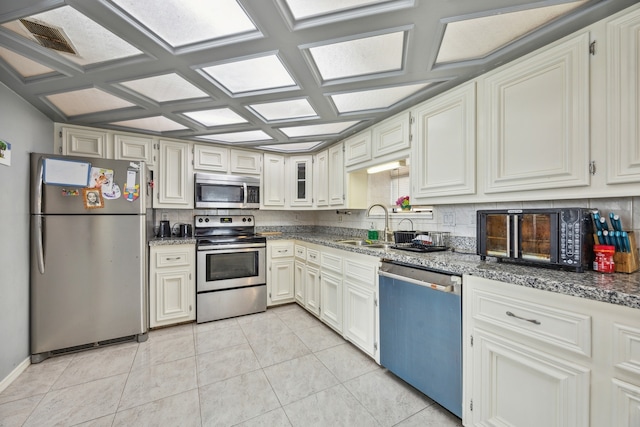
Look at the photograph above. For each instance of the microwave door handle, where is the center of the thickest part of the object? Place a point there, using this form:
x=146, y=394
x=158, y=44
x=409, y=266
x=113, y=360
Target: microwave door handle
x=244, y=186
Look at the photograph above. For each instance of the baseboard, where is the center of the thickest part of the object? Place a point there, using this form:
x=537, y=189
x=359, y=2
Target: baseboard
x=6, y=382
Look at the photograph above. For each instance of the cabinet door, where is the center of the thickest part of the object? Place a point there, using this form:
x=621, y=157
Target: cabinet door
x=245, y=162
x=518, y=386
x=84, y=142
x=127, y=147
x=537, y=120
x=281, y=281
x=623, y=89
x=336, y=176
x=360, y=316
x=211, y=158
x=391, y=136
x=174, y=186
x=312, y=291
x=626, y=404
x=172, y=298
x=300, y=179
x=273, y=181
x=321, y=178
x=444, y=148
x=299, y=281
x=357, y=149
x=331, y=300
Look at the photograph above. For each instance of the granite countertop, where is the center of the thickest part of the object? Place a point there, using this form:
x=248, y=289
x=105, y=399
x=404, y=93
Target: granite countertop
x=618, y=288
x=164, y=241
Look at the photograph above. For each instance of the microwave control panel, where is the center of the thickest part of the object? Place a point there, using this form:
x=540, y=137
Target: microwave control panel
x=573, y=225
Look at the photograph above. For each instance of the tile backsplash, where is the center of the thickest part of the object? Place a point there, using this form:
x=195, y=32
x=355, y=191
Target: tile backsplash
x=459, y=219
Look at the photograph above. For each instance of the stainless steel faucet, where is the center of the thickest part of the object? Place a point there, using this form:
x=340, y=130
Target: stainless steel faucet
x=388, y=234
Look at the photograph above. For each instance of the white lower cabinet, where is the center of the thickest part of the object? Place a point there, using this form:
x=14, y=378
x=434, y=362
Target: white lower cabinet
x=172, y=292
x=312, y=282
x=331, y=289
x=538, y=358
x=280, y=272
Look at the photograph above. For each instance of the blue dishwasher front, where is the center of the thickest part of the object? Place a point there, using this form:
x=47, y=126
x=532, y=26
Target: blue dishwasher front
x=421, y=337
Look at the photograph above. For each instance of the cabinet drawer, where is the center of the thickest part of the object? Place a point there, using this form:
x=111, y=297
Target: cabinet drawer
x=562, y=328
x=301, y=252
x=172, y=259
x=282, y=250
x=363, y=273
x=313, y=256
x=331, y=262
x=626, y=350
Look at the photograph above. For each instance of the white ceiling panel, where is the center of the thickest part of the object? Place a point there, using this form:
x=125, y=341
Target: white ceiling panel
x=216, y=117
x=252, y=75
x=151, y=124
x=301, y=9
x=24, y=66
x=313, y=130
x=169, y=87
x=93, y=42
x=282, y=110
x=86, y=101
x=359, y=57
x=294, y=147
x=183, y=22
x=249, y=136
x=478, y=37
x=373, y=99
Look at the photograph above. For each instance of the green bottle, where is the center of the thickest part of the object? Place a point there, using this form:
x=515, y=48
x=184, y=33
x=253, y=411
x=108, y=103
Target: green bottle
x=372, y=234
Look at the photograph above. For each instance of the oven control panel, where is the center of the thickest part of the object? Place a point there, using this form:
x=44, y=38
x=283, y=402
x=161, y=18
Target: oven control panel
x=221, y=221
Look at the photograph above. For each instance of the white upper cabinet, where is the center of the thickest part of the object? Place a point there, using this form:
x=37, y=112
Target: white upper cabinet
x=84, y=142
x=534, y=120
x=623, y=89
x=357, y=149
x=174, y=185
x=274, y=188
x=301, y=181
x=321, y=179
x=129, y=147
x=443, y=160
x=336, y=176
x=211, y=158
x=246, y=162
x=391, y=136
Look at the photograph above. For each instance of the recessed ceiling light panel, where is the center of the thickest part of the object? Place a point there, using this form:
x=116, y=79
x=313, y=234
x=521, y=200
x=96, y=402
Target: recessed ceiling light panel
x=87, y=101
x=313, y=130
x=216, y=117
x=478, y=37
x=183, y=22
x=359, y=57
x=374, y=99
x=301, y=9
x=23, y=65
x=293, y=147
x=168, y=87
x=283, y=110
x=249, y=136
x=265, y=73
x=153, y=124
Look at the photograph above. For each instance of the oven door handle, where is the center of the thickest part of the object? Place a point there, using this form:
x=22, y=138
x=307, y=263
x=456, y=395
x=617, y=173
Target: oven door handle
x=224, y=247
x=244, y=187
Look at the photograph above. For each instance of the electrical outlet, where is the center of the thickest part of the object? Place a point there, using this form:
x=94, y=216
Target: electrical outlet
x=339, y=218
x=449, y=219
x=165, y=216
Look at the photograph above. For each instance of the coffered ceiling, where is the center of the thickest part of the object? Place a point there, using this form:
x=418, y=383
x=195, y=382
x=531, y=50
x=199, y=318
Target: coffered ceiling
x=284, y=75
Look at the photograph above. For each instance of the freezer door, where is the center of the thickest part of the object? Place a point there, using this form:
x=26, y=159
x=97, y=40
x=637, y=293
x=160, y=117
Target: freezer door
x=88, y=280
x=60, y=199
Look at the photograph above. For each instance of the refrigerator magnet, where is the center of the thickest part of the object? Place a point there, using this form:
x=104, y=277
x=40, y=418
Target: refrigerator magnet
x=131, y=193
x=92, y=198
x=114, y=194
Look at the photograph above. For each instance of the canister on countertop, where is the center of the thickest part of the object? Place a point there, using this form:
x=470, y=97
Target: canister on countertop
x=603, y=261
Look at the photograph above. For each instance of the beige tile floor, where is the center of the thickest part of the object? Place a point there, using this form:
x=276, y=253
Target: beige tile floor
x=279, y=368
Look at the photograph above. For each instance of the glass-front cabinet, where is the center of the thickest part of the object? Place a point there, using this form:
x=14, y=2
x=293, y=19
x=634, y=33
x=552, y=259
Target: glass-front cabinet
x=300, y=174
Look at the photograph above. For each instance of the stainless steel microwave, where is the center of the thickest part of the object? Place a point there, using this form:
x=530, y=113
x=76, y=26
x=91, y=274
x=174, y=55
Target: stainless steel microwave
x=559, y=238
x=219, y=191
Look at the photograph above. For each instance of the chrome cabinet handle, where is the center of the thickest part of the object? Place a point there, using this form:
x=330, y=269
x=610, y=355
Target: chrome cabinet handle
x=534, y=321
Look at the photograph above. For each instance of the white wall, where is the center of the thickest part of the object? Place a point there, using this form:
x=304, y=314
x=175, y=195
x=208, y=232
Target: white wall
x=28, y=131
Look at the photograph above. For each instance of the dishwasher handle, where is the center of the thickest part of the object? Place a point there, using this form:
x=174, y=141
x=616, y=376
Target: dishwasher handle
x=434, y=286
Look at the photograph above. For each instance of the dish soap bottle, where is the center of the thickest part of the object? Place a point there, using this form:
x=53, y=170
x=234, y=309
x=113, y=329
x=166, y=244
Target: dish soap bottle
x=372, y=234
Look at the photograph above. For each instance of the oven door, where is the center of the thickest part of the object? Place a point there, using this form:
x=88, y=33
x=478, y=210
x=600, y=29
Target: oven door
x=230, y=266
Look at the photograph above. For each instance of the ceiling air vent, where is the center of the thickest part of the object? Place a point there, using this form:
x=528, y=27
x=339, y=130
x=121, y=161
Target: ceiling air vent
x=49, y=37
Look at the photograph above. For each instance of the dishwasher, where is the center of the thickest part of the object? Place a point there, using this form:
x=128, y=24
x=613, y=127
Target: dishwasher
x=421, y=330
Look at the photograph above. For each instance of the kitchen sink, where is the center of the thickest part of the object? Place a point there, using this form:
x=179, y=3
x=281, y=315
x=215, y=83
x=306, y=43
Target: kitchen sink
x=366, y=243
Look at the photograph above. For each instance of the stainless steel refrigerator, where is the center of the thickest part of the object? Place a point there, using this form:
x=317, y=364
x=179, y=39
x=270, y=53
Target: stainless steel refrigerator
x=88, y=254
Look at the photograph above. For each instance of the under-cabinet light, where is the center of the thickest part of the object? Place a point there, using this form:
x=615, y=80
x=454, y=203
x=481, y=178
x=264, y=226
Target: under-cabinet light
x=386, y=166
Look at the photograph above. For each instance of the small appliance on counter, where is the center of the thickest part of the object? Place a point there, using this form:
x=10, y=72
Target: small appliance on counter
x=557, y=237
x=165, y=229
x=421, y=241
x=184, y=230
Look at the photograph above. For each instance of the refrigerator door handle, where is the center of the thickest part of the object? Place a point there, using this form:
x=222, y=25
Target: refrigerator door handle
x=37, y=194
x=39, y=246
